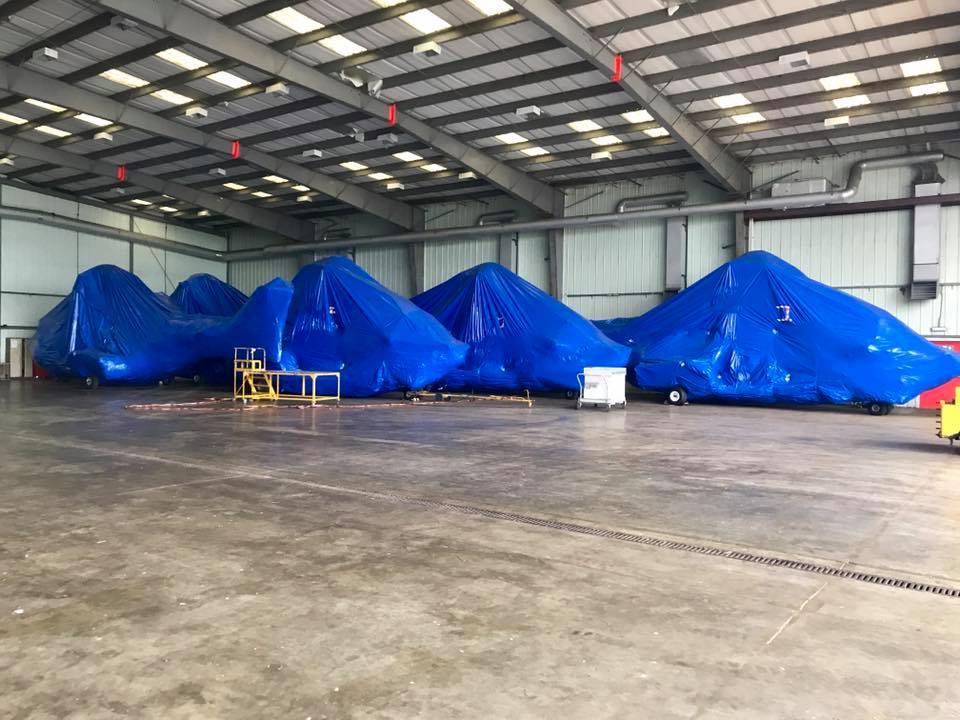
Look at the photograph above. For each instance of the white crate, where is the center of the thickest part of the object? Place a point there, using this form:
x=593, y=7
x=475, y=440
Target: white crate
x=602, y=386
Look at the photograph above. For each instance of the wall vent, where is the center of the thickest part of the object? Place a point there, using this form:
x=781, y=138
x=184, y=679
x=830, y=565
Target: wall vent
x=925, y=271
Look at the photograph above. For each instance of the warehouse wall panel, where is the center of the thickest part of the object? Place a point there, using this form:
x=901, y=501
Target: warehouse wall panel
x=39, y=263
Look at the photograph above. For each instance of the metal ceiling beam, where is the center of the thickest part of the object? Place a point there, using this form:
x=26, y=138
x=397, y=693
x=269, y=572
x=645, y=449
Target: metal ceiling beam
x=722, y=165
x=274, y=222
x=189, y=25
x=923, y=141
x=43, y=87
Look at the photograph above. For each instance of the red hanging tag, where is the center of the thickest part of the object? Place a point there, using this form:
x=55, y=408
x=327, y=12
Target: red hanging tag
x=392, y=115
x=122, y=173
x=617, y=68
x=235, y=149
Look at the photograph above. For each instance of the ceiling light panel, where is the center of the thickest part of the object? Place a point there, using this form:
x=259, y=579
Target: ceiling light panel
x=748, y=118
x=261, y=194
x=274, y=178
x=407, y=156
x=730, y=101
x=301, y=188
x=234, y=186
x=45, y=105
x=657, y=132
x=352, y=165
x=424, y=21
x=56, y=132
x=123, y=78
x=301, y=24
x=920, y=67
x=433, y=167
x=584, y=125
x=852, y=101
x=490, y=7
x=535, y=151
x=380, y=176
x=139, y=201
x=511, y=138
x=929, y=89
x=637, y=116
x=606, y=140
x=839, y=82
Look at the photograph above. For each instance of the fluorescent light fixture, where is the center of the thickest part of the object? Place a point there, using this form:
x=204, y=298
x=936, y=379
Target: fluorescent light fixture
x=228, y=79
x=93, y=120
x=180, y=58
x=423, y=21
x=432, y=167
x=852, y=101
x=123, y=78
x=606, y=140
x=407, y=156
x=304, y=198
x=838, y=121
x=920, y=67
x=167, y=209
x=395, y=185
x=301, y=24
x=301, y=188
x=138, y=201
x=45, y=105
x=748, y=118
x=491, y=7
x=468, y=175
x=56, y=132
x=261, y=194
x=601, y=155
x=730, y=101
x=352, y=165
x=535, y=151
x=12, y=119
x=171, y=97
x=637, y=116
x=839, y=82
x=929, y=89
x=511, y=138
x=657, y=132
x=203, y=213
x=234, y=186
x=380, y=176
x=274, y=178
x=342, y=46
x=295, y=20
x=584, y=126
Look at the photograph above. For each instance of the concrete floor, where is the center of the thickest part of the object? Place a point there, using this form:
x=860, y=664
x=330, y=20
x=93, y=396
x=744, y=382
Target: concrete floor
x=273, y=563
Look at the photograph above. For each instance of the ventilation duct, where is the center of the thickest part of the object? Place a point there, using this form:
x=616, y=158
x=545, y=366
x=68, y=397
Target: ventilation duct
x=925, y=272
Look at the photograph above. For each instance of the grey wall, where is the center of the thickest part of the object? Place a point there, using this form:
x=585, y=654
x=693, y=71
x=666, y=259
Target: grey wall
x=38, y=263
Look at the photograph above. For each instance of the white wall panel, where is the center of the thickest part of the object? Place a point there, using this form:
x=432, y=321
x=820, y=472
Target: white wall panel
x=248, y=275
x=17, y=197
x=25, y=310
x=103, y=216
x=36, y=258
x=533, y=259
x=94, y=250
x=149, y=264
x=179, y=267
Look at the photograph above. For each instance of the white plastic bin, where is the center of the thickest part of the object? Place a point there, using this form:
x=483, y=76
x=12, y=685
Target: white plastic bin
x=603, y=386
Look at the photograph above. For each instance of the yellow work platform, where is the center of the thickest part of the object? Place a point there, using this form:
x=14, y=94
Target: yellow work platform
x=949, y=425
x=252, y=380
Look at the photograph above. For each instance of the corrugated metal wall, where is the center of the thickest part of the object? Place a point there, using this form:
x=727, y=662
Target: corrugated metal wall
x=38, y=264
x=618, y=271
x=869, y=255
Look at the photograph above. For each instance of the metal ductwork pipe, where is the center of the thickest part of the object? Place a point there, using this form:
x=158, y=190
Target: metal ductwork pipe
x=635, y=203
x=501, y=217
x=65, y=223
x=731, y=206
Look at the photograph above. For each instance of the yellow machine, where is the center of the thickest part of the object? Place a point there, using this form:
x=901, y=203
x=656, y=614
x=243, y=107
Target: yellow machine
x=253, y=381
x=949, y=425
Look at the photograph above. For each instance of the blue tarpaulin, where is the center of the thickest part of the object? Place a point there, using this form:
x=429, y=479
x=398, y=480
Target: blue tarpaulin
x=204, y=294
x=343, y=320
x=520, y=338
x=758, y=330
x=112, y=327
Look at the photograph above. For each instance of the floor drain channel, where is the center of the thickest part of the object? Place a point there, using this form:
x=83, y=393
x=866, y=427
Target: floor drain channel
x=663, y=543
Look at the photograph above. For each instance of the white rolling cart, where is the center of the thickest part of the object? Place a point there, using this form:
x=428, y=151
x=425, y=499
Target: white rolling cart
x=602, y=387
